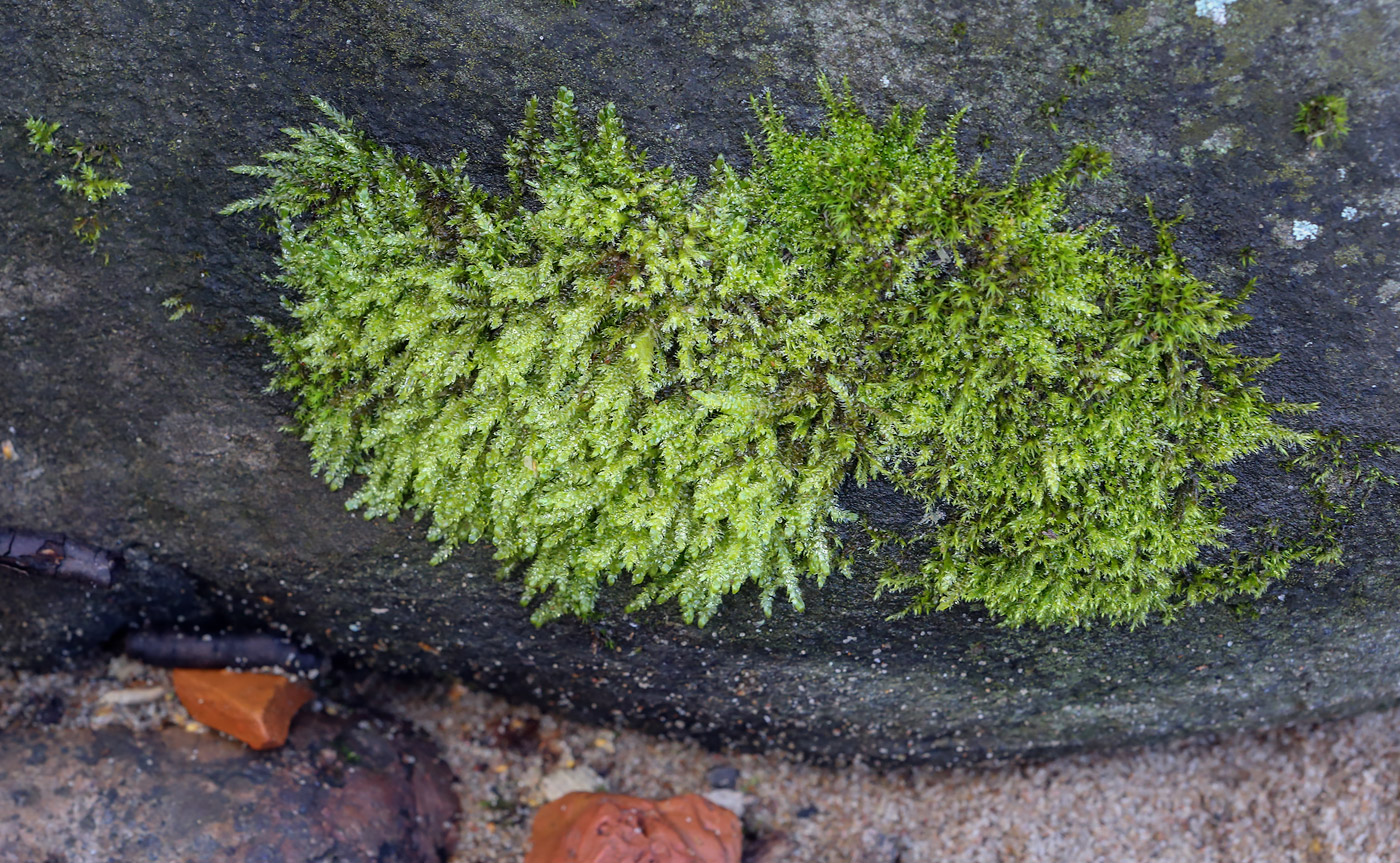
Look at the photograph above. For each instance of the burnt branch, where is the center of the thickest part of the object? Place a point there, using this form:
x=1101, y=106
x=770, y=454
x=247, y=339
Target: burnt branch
x=55, y=555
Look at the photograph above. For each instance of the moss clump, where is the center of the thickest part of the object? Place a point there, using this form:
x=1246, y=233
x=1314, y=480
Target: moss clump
x=612, y=373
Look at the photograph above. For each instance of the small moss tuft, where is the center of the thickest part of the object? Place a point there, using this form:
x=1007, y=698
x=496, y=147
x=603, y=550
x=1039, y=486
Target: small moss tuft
x=41, y=134
x=611, y=372
x=85, y=181
x=1322, y=120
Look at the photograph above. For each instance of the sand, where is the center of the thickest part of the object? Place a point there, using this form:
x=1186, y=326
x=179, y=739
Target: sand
x=1327, y=793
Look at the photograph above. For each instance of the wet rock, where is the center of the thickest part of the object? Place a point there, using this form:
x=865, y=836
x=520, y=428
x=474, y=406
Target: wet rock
x=128, y=428
x=603, y=828
x=349, y=790
x=255, y=707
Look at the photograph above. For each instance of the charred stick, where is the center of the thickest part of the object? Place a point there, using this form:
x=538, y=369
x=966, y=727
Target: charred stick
x=176, y=650
x=53, y=554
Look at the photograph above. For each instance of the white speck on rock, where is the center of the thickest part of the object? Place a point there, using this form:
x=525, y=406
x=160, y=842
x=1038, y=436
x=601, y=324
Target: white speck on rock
x=1304, y=231
x=1349, y=213
x=1215, y=10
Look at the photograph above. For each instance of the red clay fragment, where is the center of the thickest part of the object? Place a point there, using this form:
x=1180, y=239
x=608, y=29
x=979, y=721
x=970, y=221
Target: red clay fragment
x=256, y=708
x=585, y=827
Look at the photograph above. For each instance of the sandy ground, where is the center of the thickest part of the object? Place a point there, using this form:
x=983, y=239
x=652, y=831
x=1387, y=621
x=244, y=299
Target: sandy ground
x=1322, y=794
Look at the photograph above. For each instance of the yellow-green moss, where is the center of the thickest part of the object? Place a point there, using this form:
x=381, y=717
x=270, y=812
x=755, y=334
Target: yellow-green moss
x=612, y=373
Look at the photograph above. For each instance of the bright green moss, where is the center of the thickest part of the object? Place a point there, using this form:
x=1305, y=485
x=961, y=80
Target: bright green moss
x=1322, y=120
x=613, y=373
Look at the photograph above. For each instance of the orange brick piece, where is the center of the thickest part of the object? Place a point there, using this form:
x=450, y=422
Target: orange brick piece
x=584, y=827
x=256, y=708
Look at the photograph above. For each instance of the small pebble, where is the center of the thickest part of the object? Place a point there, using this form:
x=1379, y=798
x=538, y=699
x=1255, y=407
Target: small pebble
x=723, y=776
x=133, y=696
x=730, y=799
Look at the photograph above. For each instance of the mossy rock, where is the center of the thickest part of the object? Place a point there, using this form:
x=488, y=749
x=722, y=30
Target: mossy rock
x=132, y=430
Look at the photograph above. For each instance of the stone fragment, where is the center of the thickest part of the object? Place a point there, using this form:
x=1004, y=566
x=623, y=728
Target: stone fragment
x=722, y=776
x=132, y=696
x=254, y=707
x=730, y=798
x=568, y=780
x=603, y=828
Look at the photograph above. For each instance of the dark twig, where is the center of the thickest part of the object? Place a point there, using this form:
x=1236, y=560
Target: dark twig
x=176, y=650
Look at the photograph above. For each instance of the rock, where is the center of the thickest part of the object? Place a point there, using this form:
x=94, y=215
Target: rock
x=604, y=828
x=730, y=799
x=134, y=432
x=351, y=789
x=723, y=776
x=565, y=781
x=255, y=707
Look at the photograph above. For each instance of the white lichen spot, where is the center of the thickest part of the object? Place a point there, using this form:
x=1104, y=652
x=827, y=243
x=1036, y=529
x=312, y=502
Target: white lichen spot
x=1221, y=140
x=1215, y=10
x=1390, y=201
x=1349, y=213
x=885, y=81
x=1303, y=231
x=1390, y=290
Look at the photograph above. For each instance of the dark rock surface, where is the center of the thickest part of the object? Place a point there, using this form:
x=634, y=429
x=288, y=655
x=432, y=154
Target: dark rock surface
x=341, y=789
x=130, y=429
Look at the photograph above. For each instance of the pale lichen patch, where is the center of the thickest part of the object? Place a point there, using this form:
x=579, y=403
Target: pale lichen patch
x=1304, y=230
x=1389, y=200
x=1215, y=10
x=1222, y=140
x=1389, y=293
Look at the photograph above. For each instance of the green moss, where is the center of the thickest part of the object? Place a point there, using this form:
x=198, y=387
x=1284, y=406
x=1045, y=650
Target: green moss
x=1322, y=120
x=85, y=180
x=41, y=134
x=1342, y=474
x=614, y=373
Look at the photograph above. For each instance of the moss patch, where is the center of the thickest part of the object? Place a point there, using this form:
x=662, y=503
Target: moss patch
x=612, y=373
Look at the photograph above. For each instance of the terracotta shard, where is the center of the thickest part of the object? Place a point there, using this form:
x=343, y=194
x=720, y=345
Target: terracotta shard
x=584, y=827
x=254, y=707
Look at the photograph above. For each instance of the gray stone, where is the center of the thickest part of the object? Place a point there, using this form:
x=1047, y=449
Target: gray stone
x=722, y=777
x=131, y=429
